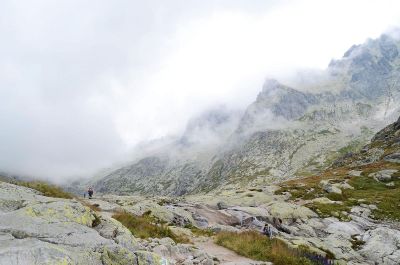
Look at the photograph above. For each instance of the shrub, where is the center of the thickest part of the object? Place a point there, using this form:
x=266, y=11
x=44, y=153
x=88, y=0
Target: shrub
x=96, y=220
x=145, y=227
x=253, y=245
x=46, y=189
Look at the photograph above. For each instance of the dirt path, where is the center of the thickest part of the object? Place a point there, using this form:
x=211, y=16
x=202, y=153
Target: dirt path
x=226, y=256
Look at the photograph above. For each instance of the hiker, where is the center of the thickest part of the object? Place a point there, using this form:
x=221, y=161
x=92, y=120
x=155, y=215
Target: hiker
x=90, y=192
x=267, y=230
x=84, y=195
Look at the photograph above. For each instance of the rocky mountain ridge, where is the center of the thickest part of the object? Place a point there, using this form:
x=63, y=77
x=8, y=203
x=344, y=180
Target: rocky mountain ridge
x=286, y=133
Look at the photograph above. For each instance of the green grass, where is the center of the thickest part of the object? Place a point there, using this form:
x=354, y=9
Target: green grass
x=326, y=210
x=147, y=227
x=46, y=189
x=301, y=192
x=258, y=247
x=387, y=199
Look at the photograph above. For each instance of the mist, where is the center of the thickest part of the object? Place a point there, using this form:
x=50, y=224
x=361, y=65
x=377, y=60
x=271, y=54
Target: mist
x=84, y=82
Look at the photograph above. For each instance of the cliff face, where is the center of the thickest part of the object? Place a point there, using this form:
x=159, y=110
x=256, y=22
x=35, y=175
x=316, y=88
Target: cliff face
x=285, y=133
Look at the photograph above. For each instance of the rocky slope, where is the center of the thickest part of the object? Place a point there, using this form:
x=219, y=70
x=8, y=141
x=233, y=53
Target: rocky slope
x=349, y=212
x=359, y=197
x=285, y=133
x=39, y=230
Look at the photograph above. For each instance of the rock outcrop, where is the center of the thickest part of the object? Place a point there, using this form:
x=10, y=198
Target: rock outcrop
x=38, y=230
x=35, y=229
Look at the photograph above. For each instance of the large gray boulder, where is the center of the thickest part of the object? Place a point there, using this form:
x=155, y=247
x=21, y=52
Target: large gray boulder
x=382, y=246
x=290, y=211
x=329, y=187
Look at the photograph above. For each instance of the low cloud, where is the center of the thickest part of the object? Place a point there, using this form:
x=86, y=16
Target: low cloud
x=83, y=82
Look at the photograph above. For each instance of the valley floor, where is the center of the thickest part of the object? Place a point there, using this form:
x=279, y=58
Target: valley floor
x=35, y=229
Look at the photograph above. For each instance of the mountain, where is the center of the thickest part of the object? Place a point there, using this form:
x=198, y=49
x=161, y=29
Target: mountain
x=178, y=167
x=287, y=132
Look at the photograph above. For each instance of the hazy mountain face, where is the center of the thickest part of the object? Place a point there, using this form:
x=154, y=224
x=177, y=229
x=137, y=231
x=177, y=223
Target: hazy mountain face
x=286, y=132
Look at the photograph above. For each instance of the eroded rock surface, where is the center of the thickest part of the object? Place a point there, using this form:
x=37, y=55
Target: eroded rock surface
x=35, y=229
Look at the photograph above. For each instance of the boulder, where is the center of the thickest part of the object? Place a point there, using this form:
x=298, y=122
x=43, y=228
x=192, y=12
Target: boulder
x=394, y=158
x=383, y=175
x=347, y=229
x=286, y=211
x=337, y=244
x=382, y=245
x=176, y=253
x=167, y=213
x=355, y=173
x=329, y=187
x=324, y=200
x=344, y=186
x=390, y=184
x=104, y=205
x=218, y=228
x=222, y=205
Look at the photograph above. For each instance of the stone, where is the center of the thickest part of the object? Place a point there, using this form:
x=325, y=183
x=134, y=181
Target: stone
x=167, y=241
x=329, y=187
x=355, y=173
x=394, y=158
x=344, y=186
x=286, y=211
x=180, y=231
x=383, y=175
x=344, y=228
x=105, y=205
x=219, y=228
x=147, y=258
x=382, y=245
x=390, y=184
x=222, y=205
x=167, y=213
x=324, y=200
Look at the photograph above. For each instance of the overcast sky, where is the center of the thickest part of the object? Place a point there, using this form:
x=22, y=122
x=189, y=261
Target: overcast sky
x=82, y=82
